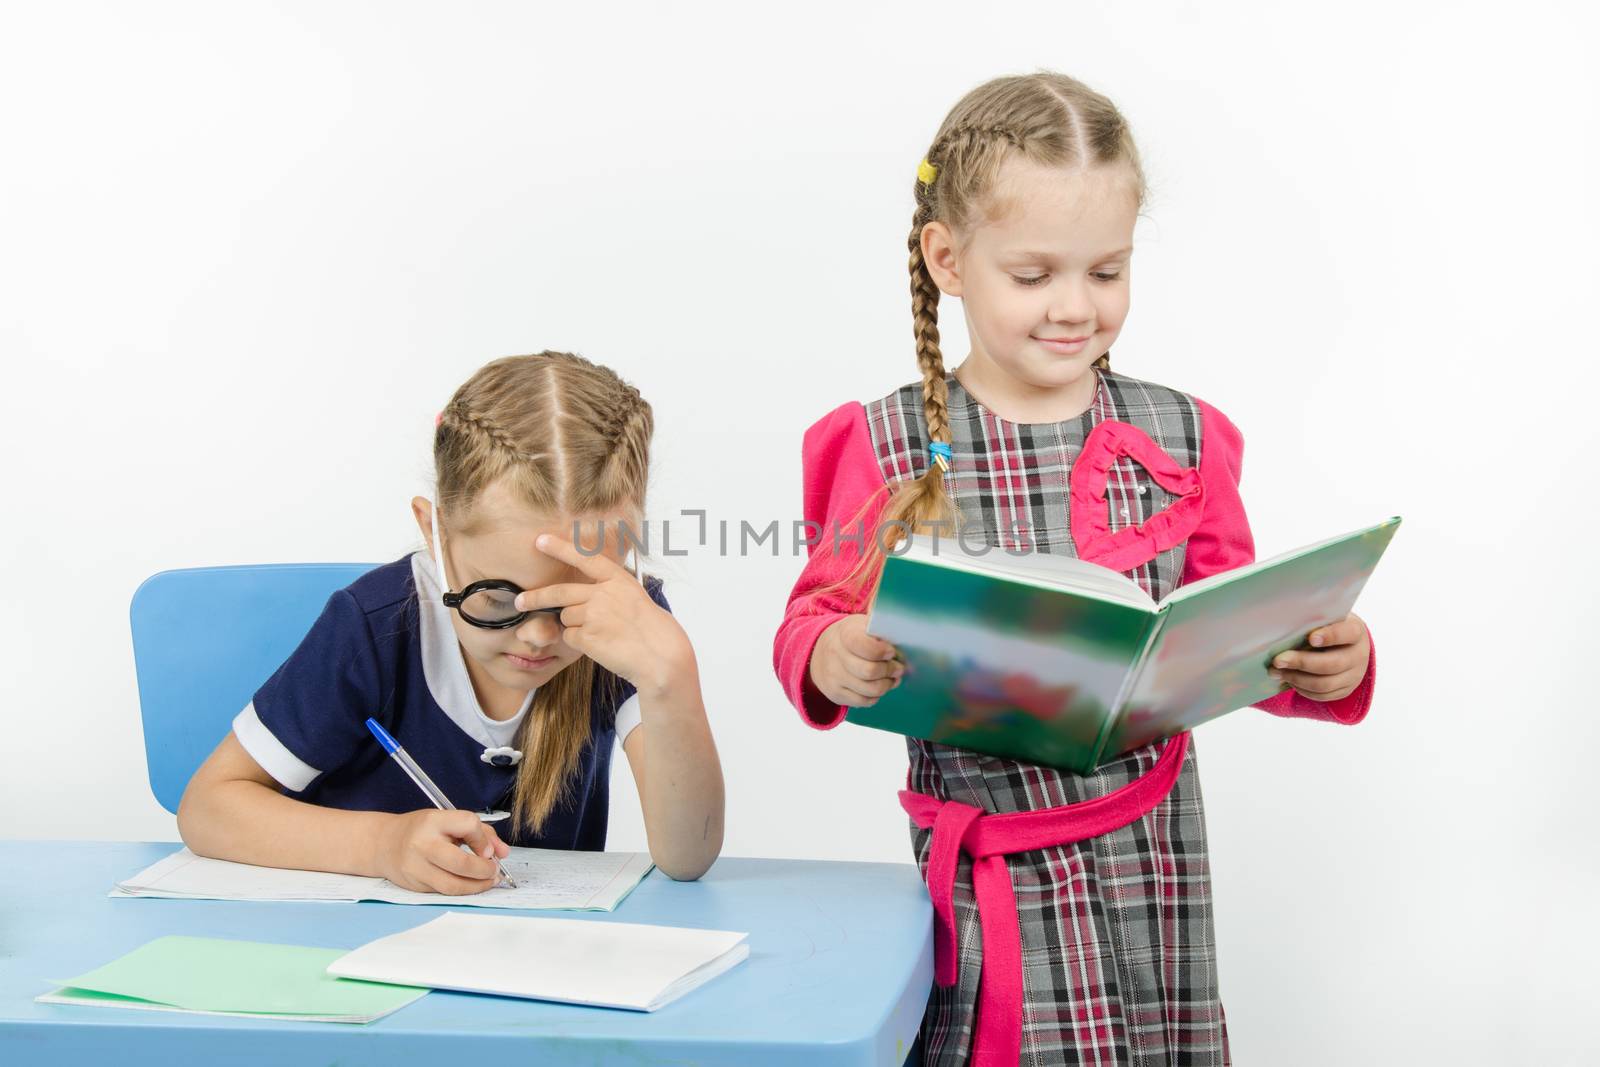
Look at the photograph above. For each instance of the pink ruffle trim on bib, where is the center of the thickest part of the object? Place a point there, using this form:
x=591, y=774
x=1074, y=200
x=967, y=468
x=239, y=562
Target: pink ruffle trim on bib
x=1132, y=545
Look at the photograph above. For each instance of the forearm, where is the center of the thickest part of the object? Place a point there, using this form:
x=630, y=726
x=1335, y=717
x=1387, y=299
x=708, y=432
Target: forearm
x=680, y=782
x=250, y=822
x=796, y=642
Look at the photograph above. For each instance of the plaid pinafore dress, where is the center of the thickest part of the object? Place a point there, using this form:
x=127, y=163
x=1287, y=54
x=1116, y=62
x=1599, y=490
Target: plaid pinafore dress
x=1118, y=949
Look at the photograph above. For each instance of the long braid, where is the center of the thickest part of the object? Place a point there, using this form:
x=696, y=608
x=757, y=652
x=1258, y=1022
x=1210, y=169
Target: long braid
x=925, y=328
x=930, y=498
x=1045, y=117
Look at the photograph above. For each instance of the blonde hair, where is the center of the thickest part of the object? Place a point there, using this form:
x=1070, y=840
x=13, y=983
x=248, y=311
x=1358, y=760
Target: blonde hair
x=1045, y=118
x=570, y=438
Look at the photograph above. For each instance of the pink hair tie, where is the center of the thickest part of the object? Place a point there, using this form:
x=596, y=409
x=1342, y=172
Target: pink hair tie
x=437, y=419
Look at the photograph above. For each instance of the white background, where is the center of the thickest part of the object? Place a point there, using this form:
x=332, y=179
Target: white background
x=247, y=251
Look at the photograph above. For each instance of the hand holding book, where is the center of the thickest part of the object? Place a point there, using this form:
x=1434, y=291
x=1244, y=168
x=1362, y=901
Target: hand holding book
x=1333, y=672
x=852, y=667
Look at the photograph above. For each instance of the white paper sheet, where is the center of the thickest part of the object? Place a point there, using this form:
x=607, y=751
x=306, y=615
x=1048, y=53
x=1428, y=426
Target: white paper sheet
x=546, y=878
x=604, y=964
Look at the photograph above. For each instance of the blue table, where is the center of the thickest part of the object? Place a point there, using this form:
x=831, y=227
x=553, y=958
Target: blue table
x=841, y=961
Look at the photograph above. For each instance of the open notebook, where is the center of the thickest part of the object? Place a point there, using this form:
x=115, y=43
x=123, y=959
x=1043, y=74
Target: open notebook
x=573, y=961
x=546, y=878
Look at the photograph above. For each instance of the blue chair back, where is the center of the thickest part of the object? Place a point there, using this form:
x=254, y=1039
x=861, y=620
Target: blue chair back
x=204, y=639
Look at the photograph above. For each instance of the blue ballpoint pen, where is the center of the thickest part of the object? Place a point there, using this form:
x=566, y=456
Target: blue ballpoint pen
x=424, y=783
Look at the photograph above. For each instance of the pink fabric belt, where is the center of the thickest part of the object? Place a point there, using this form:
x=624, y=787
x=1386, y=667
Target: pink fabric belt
x=988, y=839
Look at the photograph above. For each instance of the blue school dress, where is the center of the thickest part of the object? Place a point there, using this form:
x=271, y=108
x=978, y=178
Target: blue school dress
x=384, y=647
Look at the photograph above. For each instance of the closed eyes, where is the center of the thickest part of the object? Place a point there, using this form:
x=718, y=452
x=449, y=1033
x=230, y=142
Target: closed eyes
x=1040, y=279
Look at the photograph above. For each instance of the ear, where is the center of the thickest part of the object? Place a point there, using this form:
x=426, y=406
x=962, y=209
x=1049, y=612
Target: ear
x=939, y=254
x=422, y=511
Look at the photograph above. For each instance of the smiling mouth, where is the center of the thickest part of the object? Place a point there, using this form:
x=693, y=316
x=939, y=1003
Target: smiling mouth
x=1064, y=346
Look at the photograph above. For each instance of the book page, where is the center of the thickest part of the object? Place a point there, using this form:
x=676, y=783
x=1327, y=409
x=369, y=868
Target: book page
x=546, y=878
x=1043, y=569
x=1206, y=584
x=1214, y=648
x=186, y=875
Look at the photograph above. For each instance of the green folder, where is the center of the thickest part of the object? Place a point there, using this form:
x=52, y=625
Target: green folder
x=1060, y=662
x=219, y=977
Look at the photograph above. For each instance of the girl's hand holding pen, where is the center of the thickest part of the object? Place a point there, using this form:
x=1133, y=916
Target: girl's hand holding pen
x=421, y=851
x=1333, y=666
x=612, y=620
x=851, y=667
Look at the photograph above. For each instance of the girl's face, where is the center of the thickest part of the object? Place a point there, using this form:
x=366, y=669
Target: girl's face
x=1043, y=279
x=499, y=543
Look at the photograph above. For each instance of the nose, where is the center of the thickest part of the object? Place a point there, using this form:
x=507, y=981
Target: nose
x=540, y=630
x=1070, y=301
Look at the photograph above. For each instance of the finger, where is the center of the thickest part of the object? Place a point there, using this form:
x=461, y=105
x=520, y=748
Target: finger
x=448, y=856
x=600, y=566
x=870, y=690
x=1328, y=661
x=479, y=838
x=574, y=615
x=1317, y=686
x=1347, y=631
x=856, y=699
x=873, y=689
x=460, y=824
x=869, y=670
x=574, y=638
x=465, y=828
x=865, y=645
x=561, y=595
x=442, y=881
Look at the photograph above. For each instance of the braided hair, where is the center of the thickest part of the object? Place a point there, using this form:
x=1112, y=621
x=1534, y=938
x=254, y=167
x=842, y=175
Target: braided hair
x=1045, y=117
x=569, y=438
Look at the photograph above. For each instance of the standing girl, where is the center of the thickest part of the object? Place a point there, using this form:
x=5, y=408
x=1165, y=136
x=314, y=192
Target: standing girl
x=1073, y=913
x=503, y=656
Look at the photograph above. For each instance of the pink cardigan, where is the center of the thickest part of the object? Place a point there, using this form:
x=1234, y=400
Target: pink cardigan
x=842, y=474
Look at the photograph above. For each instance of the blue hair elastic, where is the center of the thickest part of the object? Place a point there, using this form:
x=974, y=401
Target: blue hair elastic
x=941, y=453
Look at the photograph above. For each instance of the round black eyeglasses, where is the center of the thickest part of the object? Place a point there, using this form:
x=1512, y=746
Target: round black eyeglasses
x=491, y=604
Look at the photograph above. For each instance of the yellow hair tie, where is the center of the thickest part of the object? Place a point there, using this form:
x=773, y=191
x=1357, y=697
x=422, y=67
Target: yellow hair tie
x=926, y=172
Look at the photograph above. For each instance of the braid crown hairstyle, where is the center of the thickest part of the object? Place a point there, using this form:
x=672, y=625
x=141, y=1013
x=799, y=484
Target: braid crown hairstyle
x=568, y=438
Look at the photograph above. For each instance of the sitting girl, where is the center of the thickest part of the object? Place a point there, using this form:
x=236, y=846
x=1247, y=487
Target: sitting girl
x=504, y=657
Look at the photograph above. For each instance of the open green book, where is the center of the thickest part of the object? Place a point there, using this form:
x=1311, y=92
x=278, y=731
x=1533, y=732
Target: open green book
x=1052, y=660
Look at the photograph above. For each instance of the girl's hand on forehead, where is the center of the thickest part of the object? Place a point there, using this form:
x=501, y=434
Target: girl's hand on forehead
x=1333, y=666
x=612, y=620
